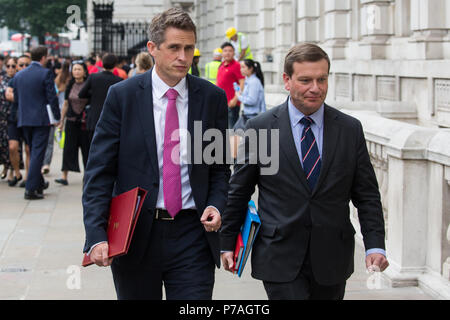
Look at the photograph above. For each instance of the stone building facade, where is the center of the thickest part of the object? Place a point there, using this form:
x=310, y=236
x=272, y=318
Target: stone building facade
x=393, y=55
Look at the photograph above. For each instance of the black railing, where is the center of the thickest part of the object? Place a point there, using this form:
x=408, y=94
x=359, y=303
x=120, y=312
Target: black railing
x=122, y=39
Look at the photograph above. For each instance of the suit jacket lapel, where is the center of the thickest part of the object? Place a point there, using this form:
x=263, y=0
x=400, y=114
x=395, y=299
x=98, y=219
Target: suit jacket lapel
x=144, y=102
x=287, y=144
x=330, y=141
x=195, y=107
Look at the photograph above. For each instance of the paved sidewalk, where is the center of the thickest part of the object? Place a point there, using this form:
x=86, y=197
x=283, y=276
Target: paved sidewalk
x=41, y=250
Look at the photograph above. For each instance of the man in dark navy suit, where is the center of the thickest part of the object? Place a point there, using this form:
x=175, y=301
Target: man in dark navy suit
x=34, y=89
x=135, y=143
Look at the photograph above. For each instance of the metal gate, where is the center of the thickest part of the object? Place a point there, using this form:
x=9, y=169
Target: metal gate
x=122, y=39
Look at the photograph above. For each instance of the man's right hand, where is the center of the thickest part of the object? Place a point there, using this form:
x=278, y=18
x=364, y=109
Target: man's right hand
x=228, y=260
x=99, y=255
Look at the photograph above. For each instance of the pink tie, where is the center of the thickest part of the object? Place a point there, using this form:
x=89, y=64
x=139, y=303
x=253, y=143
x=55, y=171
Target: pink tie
x=171, y=158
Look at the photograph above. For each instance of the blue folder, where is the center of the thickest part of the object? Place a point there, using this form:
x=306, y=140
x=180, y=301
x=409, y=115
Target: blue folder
x=249, y=231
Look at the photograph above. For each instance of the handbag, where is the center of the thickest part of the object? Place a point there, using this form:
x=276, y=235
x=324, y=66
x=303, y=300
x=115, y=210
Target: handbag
x=60, y=137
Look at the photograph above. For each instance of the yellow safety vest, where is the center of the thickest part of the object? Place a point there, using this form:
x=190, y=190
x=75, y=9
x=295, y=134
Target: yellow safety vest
x=211, y=69
x=248, y=52
x=199, y=71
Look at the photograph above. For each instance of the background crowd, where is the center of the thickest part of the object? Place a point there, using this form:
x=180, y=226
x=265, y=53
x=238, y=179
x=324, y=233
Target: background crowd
x=81, y=85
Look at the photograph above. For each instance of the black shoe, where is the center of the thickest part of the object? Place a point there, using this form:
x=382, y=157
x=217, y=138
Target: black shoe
x=22, y=184
x=64, y=182
x=43, y=187
x=33, y=195
x=14, y=181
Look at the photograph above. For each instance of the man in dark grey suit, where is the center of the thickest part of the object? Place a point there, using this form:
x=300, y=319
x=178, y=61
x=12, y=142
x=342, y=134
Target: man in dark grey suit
x=34, y=89
x=305, y=248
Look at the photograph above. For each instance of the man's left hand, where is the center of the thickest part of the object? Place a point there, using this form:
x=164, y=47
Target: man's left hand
x=376, y=262
x=211, y=219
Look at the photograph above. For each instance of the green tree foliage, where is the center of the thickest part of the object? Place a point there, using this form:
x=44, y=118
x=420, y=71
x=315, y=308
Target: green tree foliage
x=37, y=17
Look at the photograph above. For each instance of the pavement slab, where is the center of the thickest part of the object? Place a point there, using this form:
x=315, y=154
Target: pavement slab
x=41, y=246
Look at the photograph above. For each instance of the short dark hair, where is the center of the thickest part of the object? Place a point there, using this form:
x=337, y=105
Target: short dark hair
x=38, y=53
x=173, y=17
x=304, y=52
x=226, y=44
x=109, y=61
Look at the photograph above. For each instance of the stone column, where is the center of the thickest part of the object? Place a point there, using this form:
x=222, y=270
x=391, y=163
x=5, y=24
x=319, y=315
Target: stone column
x=429, y=23
x=446, y=265
x=376, y=27
x=202, y=24
x=219, y=24
x=308, y=15
x=246, y=14
x=283, y=36
x=265, y=40
x=438, y=253
x=402, y=18
x=229, y=15
x=408, y=205
x=337, y=27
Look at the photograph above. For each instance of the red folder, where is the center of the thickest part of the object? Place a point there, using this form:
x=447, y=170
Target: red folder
x=238, y=252
x=123, y=214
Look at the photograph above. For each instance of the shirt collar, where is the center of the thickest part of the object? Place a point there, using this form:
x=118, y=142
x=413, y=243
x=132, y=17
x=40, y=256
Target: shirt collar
x=36, y=63
x=160, y=88
x=296, y=115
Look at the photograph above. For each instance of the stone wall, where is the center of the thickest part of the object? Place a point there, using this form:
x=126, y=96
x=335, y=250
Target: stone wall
x=390, y=51
x=412, y=165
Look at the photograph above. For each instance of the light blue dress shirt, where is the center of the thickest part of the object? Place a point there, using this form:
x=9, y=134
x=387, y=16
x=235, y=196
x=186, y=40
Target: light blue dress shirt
x=295, y=116
x=253, y=96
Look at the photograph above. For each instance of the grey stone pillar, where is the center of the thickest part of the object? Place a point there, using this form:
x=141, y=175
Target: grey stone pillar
x=430, y=26
x=337, y=27
x=376, y=27
x=308, y=14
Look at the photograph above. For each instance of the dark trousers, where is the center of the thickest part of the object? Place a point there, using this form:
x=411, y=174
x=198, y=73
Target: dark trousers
x=37, y=139
x=76, y=138
x=178, y=257
x=304, y=287
x=233, y=116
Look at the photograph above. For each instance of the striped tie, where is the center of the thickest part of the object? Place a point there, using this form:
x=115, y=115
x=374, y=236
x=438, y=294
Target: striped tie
x=310, y=153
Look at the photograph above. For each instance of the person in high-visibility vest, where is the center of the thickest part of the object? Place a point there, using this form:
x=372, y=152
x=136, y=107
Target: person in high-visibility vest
x=212, y=67
x=240, y=44
x=194, y=70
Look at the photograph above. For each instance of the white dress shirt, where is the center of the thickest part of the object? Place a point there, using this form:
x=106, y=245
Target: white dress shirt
x=160, y=101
